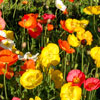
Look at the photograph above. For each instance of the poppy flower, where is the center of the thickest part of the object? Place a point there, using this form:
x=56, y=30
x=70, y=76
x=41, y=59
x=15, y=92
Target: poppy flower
x=76, y=77
x=73, y=40
x=90, y=10
x=71, y=0
x=91, y=84
x=31, y=79
x=57, y=77
x=1, y=38
x=7, y=56
x=50, y=27
x=59, y=4
x=48, y=16
x=25, y=2
x=69, y=92
x=1, y=1
x=64, y=45
x=49, y=56
x=2, y=22
x=62, y=22
x=9, y=73
x=16, y=98
x=42, y=21
x=7, y=44
x=29, y=64
x=36, y=98
x=28, y=21
x=35, y=32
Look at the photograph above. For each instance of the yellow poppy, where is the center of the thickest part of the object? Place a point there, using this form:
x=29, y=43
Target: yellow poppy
x=71, y=24
x=69, y=92
x=73, y=41
x=50, y=55
x=92, y=10
x=36, y=98
x=57, y=77
x=31, y=78
x=84, y=23
x=9, y=34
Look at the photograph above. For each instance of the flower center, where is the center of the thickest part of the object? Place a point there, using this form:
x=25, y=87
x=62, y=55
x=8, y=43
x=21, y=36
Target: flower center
x=76, y=80
x=7, y=43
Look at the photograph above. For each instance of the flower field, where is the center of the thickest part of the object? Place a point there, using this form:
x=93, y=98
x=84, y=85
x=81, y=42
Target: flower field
x=49, y=50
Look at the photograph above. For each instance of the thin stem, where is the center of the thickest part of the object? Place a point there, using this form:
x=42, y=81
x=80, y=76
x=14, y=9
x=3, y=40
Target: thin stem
x=82, y=67
x=5, y=83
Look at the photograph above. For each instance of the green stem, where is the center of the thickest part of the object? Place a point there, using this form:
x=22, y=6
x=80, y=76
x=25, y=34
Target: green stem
x=15, y=8
x=5, y=83
x=65, y=60
x=82, y=67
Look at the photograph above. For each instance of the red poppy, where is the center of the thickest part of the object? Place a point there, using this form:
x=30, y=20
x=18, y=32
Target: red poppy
x=42, y=21
x=76, y=77
x=48, y=16
x=28, y=21
x=35, y=32
x=62, y=22
x=91, y=84
x=7, y=56
x=50, y=27
x=64, y=45
x=1, y=1
x=71, y=0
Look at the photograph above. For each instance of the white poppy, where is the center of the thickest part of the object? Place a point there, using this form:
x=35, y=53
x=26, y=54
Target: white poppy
x=7, y=44
x=59, y=4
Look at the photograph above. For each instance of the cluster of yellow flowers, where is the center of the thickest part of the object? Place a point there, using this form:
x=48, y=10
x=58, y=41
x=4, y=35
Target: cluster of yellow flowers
x=95, y=54
x=78, y=27
x=36, y=98
x=90, y=10
x=49, y=56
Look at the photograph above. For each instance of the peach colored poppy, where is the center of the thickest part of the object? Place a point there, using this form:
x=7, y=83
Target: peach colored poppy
x=28, y=21
x=64, y=45
x=62, y=22
x=25, y=2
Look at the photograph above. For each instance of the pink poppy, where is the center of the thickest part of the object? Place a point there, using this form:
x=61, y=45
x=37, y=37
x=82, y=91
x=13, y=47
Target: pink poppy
x=91, y=84
x=48, y=16
x=16, y=98
x=35, y=32
x=76, y=77
x=2, y=22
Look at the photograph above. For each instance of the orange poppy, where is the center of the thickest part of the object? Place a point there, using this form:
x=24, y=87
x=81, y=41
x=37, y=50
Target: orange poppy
x=50, y=27
x=28, y=21
x=29, y=64
x=7, y=56
x=25, y=2
x=2, y=38
x=62, y=22
x=65, y=12
x=64, y=45
x=8, y=73
x=1, y=1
